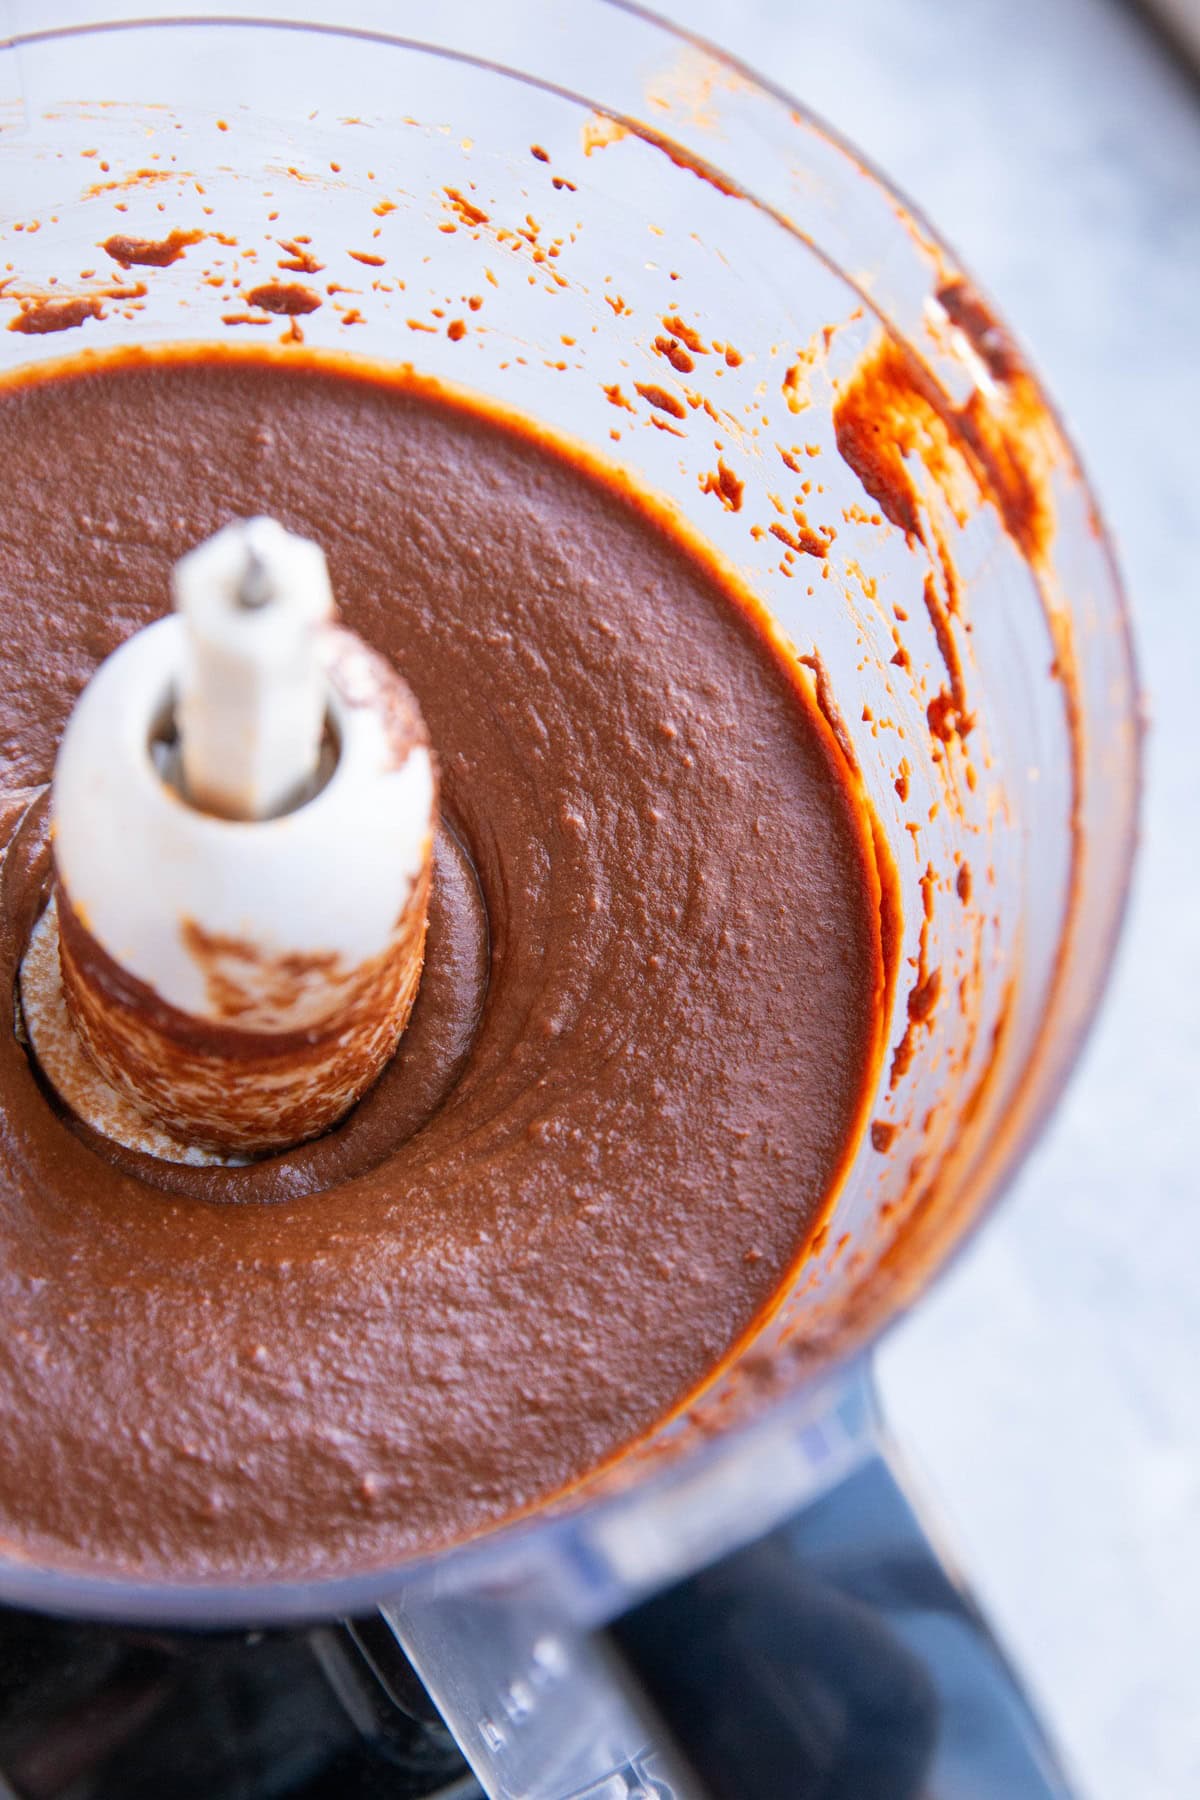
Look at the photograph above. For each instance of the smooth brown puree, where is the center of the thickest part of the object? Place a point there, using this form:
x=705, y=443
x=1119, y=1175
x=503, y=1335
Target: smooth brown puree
x=614, y=1120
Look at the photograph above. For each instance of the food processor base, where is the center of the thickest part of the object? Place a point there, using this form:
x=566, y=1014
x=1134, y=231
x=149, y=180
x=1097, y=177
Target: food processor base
x=113, y=1714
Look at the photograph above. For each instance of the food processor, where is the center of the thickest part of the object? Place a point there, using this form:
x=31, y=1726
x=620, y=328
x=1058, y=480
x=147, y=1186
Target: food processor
x=611, y=228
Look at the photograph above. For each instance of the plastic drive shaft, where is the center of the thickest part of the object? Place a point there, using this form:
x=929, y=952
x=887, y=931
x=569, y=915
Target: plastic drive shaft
x=244, y=806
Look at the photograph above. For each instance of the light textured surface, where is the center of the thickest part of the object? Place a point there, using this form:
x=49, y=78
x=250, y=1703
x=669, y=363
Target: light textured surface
x=1050, y=1388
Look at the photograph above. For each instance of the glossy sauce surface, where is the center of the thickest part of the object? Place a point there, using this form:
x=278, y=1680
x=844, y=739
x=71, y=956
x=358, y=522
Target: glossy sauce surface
x=637, y=1064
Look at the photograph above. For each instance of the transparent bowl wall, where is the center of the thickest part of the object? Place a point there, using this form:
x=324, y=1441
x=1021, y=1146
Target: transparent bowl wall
x=354, y=132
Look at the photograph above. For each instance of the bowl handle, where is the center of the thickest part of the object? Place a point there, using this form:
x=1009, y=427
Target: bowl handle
x=778, y=1625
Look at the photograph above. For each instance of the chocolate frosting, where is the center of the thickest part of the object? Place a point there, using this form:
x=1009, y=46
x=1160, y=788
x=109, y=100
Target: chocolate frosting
x=640, y=1053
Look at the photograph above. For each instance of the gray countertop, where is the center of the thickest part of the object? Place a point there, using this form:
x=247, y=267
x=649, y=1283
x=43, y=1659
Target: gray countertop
x=1048, y=1389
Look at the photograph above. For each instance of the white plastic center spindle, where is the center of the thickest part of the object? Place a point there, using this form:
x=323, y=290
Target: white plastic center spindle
x=252, y=699
x=240, y=903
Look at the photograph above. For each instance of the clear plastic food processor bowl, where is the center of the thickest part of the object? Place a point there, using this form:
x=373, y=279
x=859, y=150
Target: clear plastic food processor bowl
x=601, y=223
